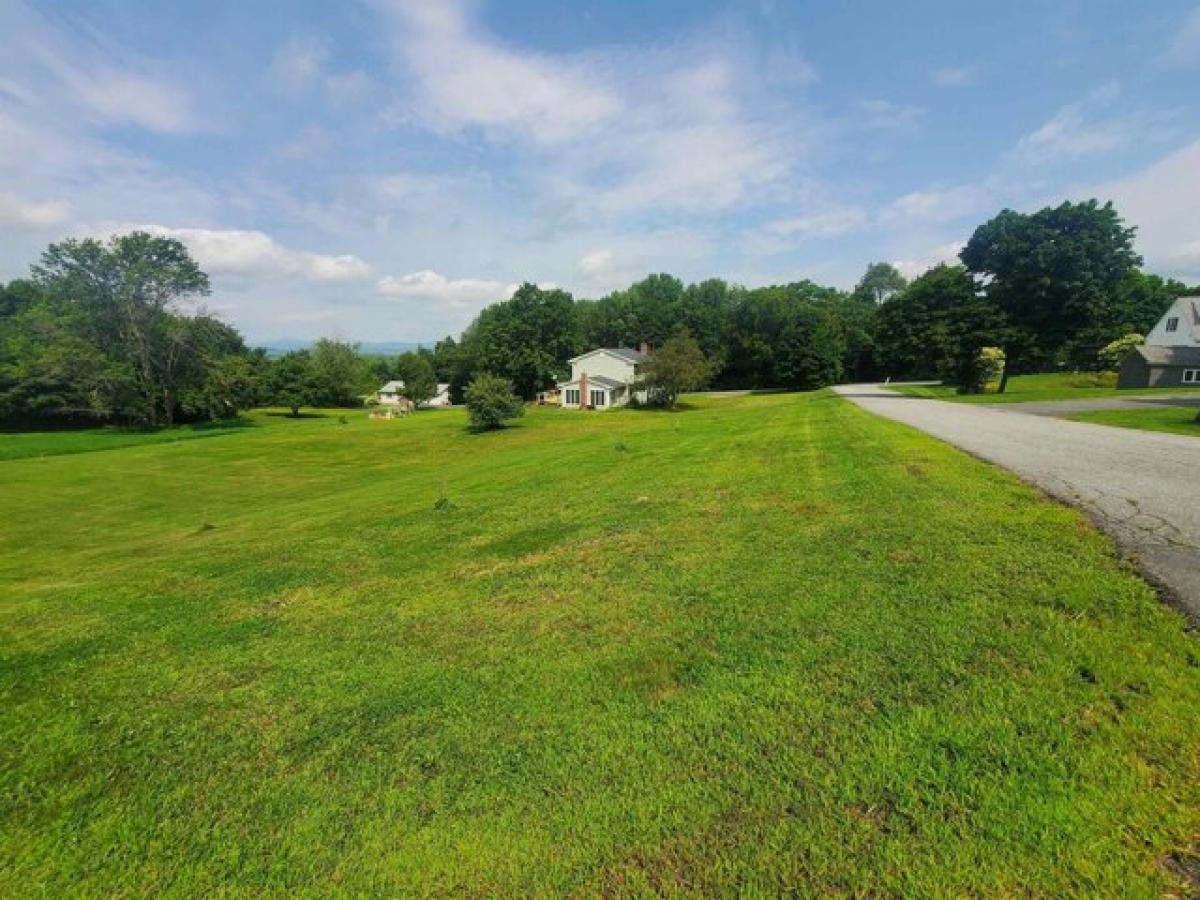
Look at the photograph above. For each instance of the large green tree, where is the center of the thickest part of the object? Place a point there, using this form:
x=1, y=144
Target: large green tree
x=126, y=294
x=677, y=366
x=293, y=382
x=880, y=282
x=785, y=336
x=1053, y=273
x=340, y=374
x=936, y=326
x=526, y=339
x=415, y=369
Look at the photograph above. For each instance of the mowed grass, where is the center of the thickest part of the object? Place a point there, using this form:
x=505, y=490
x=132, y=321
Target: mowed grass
x=764, y=644
x=1171, y=419
x=22, y=445
x=1027, y=388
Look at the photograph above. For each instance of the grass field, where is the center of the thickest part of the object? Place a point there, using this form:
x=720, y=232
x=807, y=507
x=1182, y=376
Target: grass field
x=23, y=445
x=1172, y=419
x=1026, y=388
x=763, y=644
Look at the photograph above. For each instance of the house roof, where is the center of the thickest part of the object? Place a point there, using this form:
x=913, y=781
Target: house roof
x=1170, y=356
x=626, y=353
x=392, y=387
x=610, y=383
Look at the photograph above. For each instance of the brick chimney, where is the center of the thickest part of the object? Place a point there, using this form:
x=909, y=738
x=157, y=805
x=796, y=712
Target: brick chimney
x=583, y=390
x=645, y=347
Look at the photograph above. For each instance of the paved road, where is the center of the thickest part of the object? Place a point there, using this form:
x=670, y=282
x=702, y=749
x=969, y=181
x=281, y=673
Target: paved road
x=1141, y=487
x=1070, y=407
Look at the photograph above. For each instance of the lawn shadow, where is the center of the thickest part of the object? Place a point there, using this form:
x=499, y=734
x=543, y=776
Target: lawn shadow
x=109, y=428
x=278, y=414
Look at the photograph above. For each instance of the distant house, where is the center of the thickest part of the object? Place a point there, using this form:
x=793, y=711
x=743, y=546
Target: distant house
x=602, y=378
x=1171, y=355
x=392, y=393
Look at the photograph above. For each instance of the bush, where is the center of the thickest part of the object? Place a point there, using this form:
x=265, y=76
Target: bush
x=986, y=366
x=490, y=401
x=1092, y=380
x=1112, y=355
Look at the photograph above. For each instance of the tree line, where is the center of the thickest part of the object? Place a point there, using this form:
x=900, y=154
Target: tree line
x=1040, y=291
x=116, y=331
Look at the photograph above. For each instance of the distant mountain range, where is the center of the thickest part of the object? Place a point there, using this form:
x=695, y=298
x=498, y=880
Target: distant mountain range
x=279, y=346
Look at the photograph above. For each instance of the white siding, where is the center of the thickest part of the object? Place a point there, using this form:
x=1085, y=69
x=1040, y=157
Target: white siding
x=1185, y=312
x=606, y=365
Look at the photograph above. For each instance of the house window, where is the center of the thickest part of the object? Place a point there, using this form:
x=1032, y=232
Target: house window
x=1191, y=376
x=598, y=398
x=1172, y=323
x=572, y=397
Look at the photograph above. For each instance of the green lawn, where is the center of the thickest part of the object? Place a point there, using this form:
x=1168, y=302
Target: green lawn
x=768, y=643
x=22, y=445
x=1173, y=419
x=1025, y=388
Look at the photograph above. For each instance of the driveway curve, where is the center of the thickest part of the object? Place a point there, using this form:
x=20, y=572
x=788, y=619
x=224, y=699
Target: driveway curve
x=1141, y=487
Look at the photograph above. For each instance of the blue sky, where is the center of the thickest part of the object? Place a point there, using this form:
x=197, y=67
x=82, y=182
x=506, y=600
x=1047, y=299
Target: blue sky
x=382, y=170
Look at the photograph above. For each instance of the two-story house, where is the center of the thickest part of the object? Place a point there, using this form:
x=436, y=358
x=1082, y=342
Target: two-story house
x=602, y=378
x=1171, y=355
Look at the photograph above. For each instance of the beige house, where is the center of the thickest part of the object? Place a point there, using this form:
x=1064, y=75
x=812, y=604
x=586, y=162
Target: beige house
x=602, y=378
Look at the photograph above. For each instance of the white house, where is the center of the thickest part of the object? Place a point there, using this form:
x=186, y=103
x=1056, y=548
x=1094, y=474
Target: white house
x=1171, y=355
x=601, y=379
x=392, y=393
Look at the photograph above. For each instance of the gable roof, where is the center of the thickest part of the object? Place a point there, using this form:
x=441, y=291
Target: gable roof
x=1170, y=356
x=1186, y=333
x=627, y=354
x=392, y=387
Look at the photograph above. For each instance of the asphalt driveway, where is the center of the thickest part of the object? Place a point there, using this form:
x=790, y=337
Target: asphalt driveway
x=1070, y=407
x=1141, y=487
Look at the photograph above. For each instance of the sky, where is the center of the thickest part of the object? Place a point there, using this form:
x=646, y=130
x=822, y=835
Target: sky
x=381, y=170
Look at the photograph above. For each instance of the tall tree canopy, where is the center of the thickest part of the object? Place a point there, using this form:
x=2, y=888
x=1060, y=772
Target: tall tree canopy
x=526, y=339
x=936, y=326
x=103, y=330
x=881, y=281
x=1053, y=273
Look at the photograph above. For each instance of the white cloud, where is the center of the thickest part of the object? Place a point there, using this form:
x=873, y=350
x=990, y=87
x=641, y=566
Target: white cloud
x=953, y=76
x=311, y=142
x=255, y=253
x=102, y=82
x=21, y=213
x=1161, y=200
x=1185, y=46
x=608, y=134
x=464, y=79
x=1083, y=129
x=436, y=288
x=887, y=116
x=823, y=224
x=122, y=97
x=937, y=205
x=598, y=263
x=301, y=65
x=943, y=253
x=297, y=65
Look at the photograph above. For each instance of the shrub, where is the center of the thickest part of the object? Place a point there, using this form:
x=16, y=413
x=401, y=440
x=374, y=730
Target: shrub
x=490, y=401
x=986, y=367
x=1092, y=380
x=1112, y=355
